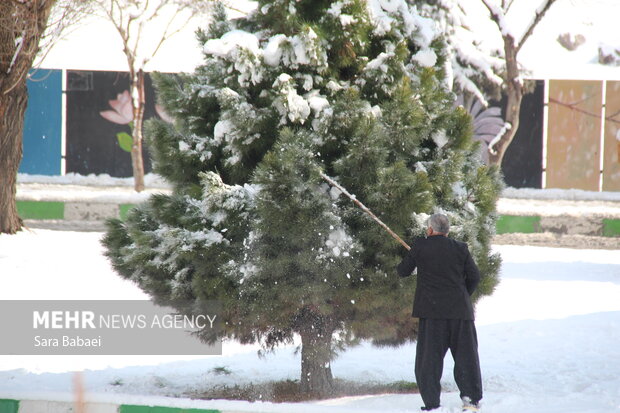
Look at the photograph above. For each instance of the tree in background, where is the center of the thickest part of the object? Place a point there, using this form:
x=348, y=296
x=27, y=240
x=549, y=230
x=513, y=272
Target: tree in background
x=21, y=26
x=353, y=89
x=482, y=71
x=513, y=82
x=144, y=27
x=28, y=29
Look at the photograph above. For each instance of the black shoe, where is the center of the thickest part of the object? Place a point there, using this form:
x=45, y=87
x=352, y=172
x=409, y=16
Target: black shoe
x=428, y=409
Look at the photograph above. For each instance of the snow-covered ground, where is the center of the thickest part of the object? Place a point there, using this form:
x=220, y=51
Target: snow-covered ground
x=548, y=338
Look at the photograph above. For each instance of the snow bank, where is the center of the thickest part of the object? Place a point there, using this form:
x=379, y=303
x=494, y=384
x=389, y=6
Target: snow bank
x=151, y=180
x=75, y=193
x=566, y=194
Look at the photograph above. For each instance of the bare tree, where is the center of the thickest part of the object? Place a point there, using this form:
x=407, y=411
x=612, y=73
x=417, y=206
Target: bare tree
x=512, y=82
x=132, y=19
x=22, y=24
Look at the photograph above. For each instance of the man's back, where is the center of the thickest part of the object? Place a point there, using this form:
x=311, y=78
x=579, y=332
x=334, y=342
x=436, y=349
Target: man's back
x=447, y=276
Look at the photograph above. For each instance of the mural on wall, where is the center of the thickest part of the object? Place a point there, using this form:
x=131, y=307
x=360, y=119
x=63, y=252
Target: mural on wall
x=487, y=122
x=522, y=163
x=121, y=113
x=99, y=121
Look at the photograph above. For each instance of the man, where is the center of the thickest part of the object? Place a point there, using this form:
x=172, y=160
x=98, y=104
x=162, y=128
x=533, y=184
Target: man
x=447, y=276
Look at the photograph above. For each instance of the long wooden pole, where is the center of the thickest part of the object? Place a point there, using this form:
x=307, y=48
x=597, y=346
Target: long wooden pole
x=365, y=209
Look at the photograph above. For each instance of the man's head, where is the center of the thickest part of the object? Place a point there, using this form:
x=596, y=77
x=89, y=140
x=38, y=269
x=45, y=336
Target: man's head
x=438, y=224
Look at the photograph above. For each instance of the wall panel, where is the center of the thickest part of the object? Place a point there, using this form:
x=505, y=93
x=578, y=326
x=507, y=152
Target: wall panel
x=573, y=134
x=611, y=160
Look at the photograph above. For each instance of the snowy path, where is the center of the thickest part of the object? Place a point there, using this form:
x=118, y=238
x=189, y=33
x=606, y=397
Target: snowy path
x=548, y=338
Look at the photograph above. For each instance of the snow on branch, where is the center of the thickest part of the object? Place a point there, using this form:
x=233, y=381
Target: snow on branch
x=498, y=137
x=19, y=42
x=499, y=17
x=469, y=86
x=540, y=13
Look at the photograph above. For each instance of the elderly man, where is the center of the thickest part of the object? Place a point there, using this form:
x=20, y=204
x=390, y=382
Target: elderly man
x=447, y=277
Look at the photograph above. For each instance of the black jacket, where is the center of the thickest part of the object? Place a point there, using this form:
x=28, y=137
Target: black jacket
x=447, y=276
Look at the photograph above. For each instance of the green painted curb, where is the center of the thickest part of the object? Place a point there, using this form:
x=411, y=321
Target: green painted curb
x=129, y=408
x=507, y=224
x=41, y=210
x=611, y=227
x=123, y=209
x=9, y=406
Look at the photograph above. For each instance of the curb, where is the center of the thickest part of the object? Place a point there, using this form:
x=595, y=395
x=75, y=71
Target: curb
x=72, y=211
x=44, y=406
x=587, y=224
x=563, y=224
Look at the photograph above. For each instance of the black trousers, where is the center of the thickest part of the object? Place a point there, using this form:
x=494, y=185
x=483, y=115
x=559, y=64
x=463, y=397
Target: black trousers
x=435, y=337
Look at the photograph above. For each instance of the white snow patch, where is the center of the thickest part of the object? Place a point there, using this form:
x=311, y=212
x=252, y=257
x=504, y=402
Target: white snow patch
x=317, y=103
x=19, y=42
x=273, y=53
x=290, y=104
x=183, y=146
x=98, y=180
x=426, y=57
x=339, y=242
x=388, y=14
x=229, y=41
x=347, y=20
x=334, y=86
x=440, y=138
x=507, y=126
x=221, y=129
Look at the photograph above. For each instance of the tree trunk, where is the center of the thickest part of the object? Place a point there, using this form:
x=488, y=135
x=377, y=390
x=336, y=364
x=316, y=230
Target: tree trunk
x=21, y=27
x=316, y=372
x=514, y=92
x=12, y=111
x=137, y=163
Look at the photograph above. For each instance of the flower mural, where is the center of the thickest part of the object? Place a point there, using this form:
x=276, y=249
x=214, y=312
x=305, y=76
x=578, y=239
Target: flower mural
x=487, y=123
x=122, y=114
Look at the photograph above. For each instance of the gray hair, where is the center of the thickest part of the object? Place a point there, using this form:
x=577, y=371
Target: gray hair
x=439, y=223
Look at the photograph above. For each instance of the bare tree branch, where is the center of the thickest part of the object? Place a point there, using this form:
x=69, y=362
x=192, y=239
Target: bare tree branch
x=165, y=37
x=574, y=107
x=497, y=15
x=65, y=17
x=540, y=13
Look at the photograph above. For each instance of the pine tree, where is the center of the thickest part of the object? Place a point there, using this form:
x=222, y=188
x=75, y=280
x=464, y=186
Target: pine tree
x=354, y=89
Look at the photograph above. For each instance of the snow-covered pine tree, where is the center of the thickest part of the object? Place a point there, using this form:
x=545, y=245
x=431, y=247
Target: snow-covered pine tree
x=352, y=88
